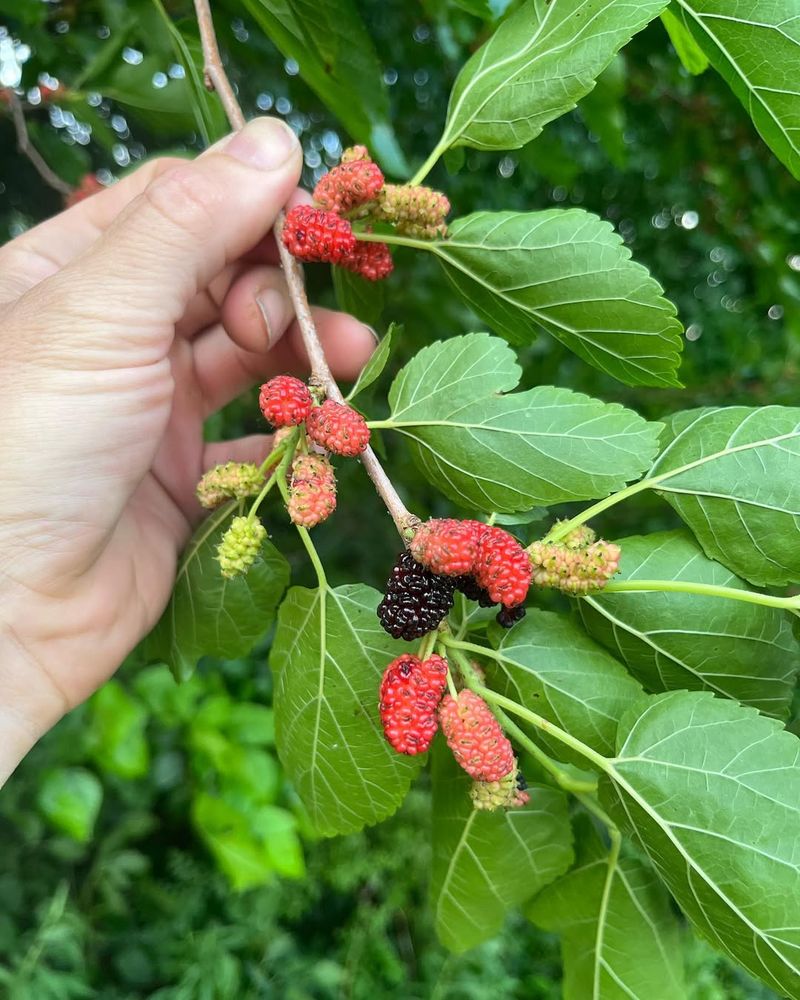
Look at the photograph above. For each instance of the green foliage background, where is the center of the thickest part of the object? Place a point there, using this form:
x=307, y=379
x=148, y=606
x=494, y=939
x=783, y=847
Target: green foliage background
x=120, y=876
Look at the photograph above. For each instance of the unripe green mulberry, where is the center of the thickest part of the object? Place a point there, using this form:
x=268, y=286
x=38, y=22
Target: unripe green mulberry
x=240, y=546
x=510, y=792
x=231, y=481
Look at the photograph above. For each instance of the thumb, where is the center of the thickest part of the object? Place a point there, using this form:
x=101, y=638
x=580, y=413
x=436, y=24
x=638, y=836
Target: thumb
x=172, y=239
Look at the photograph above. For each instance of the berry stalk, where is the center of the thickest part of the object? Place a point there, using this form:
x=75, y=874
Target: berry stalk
x=217, y=79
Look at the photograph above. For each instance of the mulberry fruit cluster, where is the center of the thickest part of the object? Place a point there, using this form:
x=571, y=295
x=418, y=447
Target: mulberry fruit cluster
x=415, y=601
x=578, y=564
x=231, y=481
x=356, y=191
x=485, y=563
x=474, y=735
x=240, y=546
x=285, y=401
x=312, y=490
x=410, y=692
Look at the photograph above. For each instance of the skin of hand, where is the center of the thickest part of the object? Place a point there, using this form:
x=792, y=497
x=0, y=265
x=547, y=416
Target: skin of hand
x=124, y=322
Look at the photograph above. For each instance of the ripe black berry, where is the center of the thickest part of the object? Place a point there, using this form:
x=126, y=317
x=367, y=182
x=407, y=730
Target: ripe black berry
x=416, y=600
x=470, y=589
x=506, y=617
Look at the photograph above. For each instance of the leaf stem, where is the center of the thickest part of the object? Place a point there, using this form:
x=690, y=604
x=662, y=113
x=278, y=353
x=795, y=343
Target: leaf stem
x=701, y=589
x=429, y=164
x=287, y=451
x=217, y=79
x=563, y=528
x=305, y=538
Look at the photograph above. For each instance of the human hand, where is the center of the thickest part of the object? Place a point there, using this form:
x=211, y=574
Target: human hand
x=124, y=322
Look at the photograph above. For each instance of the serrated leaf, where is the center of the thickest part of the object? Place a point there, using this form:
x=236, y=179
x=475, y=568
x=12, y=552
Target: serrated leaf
x=329, y=654
x=627, y=947
x=210, y=616
x=485, y=864
x=337, y=59
x=733, y=475
x=672, y=640
x=567, y=272
x=712, y=792
x=694, y=60
x=547, y=663
x=507, y=453
x=755, y=46
x=536, y=66
x=373, y=369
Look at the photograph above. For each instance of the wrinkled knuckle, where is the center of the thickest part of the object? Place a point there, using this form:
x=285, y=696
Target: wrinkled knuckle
x=184, y=199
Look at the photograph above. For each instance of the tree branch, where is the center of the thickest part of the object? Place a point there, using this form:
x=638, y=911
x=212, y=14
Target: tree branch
x=217, y=79
x=26, y=147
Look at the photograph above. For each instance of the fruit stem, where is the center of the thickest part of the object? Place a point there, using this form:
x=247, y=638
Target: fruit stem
x=305, y=538
x=427, y=644
x=277, y=476
x=702, y=590
x=217, y=79
x=428, y=165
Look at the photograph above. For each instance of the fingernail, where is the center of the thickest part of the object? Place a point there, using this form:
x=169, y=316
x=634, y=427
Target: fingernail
x=264, y=143
x=372, y=333
x=272, y=306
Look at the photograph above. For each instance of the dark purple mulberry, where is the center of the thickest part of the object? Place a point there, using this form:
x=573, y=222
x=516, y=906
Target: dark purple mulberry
x=416, y=600
x=506, y=617
x=470, y=589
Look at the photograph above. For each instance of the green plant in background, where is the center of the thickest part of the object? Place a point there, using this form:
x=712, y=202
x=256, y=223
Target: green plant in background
x=634, y=797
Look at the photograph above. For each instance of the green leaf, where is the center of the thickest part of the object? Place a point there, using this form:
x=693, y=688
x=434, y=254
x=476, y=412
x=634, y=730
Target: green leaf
x=337, y=59
x=162, y=109
x=251, y=723
x=755, y=46
x=241, y=855
x=117, y=732
x=506, y=453
x=712, y=792
x=694, y=60
x=626, y=947
x=671, y=641
x=210, y=616
x=603, y=110
x=536, y=66
x=733, y=475
x=550, y=665
x=329, y=654
x=355, y=295
x=373, y=369
x=567, y=272
x=485, y=864
x=70, y=799
x=205, y=105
